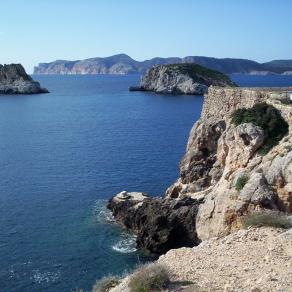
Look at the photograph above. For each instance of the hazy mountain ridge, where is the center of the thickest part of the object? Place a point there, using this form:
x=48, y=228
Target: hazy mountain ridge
x=124, y=64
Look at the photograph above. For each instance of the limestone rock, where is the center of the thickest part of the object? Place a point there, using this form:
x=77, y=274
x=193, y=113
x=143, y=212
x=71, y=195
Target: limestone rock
x=258, y=191
x=14, y=80
x=181, y=79
x=218, y=153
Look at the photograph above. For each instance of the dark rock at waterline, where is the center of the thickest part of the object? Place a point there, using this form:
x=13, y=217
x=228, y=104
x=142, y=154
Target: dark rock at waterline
x=136, y=88
x=14, y=80
x=160, y=224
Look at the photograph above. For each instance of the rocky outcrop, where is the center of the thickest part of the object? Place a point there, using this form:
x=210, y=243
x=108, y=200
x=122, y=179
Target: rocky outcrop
x=14, y=80
x=223, y=175
x=219, y=153
x=123, y=64
x=181, y=79
x=160, y=224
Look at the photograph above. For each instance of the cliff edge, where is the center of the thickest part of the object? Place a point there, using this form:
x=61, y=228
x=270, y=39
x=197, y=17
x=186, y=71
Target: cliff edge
x=14, y=80
x=238, y=159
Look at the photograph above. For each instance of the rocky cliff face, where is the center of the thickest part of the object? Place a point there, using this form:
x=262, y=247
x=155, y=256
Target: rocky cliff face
x=219, y=153
x=224, y=170
x=14, y=80
x=181, y=79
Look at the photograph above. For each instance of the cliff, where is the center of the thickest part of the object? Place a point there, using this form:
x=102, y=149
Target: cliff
x=221, y=154
x=123, y=64
x=231, y=168
x=236, y=173
x=14, y=80
x=181, y=79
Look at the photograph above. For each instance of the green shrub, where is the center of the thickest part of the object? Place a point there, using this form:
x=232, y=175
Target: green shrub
x=148, y=278
x=271, y=219
x=240, y=182
x=106, y=284
x=268, y=118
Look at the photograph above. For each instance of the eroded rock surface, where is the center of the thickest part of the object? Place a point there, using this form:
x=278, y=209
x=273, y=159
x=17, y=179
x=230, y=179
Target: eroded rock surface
x=160, y=224
x=219, y=153
x=14, y=80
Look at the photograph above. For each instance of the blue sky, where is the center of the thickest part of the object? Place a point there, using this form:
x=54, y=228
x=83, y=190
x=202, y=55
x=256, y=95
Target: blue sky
x=34, y=31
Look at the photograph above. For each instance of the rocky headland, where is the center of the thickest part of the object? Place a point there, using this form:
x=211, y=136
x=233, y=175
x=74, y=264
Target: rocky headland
x=123, y=64
x=238, y=165
x=229, y=170
x=14, y=80
x=181, y=79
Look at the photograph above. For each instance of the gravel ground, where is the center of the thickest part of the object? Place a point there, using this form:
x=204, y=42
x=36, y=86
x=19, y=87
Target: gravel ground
x=257, y=259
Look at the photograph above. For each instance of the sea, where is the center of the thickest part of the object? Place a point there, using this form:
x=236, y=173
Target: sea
x=64, y=154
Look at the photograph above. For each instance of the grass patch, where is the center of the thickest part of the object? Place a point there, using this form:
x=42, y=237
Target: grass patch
x=270, y=219
x=241, y=181
x=151, y=277
x=268, y=118
x=106, y=284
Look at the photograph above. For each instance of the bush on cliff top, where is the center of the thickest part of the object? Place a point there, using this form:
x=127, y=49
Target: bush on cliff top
x=269, y=219
x=106, y=284
x=150, y=277
x=268, y=118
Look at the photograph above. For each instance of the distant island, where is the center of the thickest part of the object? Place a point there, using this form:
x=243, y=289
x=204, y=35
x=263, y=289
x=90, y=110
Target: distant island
x=14, y=80
x=123, y=64
x=181, y=79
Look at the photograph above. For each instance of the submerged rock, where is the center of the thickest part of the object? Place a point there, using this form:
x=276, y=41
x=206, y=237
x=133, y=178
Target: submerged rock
x=181, y=79
x=14, y=80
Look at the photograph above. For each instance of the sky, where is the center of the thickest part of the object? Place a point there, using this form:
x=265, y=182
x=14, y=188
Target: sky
x=36, y=31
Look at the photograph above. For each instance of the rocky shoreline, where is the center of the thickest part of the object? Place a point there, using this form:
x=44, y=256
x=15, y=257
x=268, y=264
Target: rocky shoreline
x=160, y=224
x=14, y=80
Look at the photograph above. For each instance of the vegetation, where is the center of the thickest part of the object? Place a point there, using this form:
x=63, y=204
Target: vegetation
x=241, y=181
x=148, y=278
x=268, y=118
x=199, y=73
x=271, y=219
x=106, y=284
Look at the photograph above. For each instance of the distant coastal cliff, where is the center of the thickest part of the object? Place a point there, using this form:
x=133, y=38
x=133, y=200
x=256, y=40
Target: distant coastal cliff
x=181, y=79
x=14, y=80
x=123, y=64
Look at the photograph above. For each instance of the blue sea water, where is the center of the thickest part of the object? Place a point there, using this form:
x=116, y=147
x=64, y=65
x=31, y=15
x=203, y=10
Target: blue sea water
x=63, y=154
